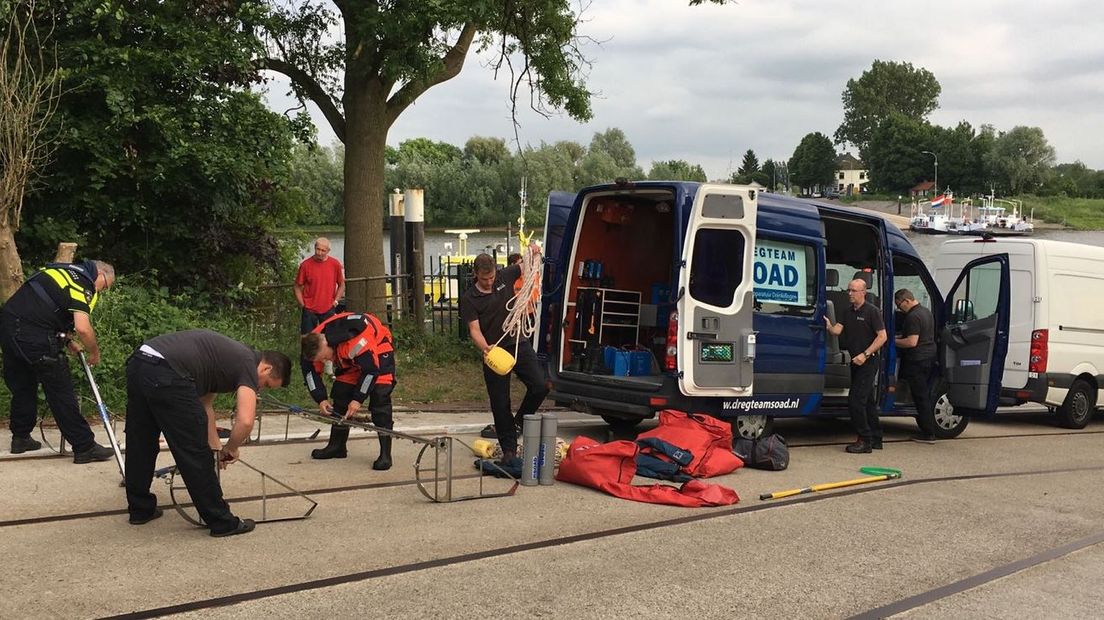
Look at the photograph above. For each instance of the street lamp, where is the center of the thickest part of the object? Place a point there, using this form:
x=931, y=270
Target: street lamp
x=936, y=169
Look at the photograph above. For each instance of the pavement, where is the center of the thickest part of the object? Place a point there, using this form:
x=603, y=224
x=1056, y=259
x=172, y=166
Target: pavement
x=972, y=530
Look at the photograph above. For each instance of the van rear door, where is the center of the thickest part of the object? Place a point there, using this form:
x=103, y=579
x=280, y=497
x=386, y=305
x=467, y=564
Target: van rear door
x=555, y=226
x=975, y=337
x=716, y=343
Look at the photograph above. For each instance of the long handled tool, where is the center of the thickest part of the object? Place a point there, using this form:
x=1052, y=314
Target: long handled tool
x=874, y=474
x=104, y=415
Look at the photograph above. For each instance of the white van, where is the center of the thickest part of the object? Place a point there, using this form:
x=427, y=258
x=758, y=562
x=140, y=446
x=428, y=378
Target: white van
x=1056, y=323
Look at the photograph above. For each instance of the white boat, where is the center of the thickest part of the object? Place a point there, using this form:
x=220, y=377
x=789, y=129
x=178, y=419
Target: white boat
x=1003, y=221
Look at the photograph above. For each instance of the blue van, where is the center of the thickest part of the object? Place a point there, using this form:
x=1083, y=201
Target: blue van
x=711, y=298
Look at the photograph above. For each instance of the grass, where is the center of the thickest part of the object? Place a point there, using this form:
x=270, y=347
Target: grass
x=1077, y=213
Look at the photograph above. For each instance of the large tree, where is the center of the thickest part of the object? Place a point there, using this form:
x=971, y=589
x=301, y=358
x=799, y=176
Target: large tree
x=364, y=64
x=1021, y=159
x=886, y=87
x=813, y=163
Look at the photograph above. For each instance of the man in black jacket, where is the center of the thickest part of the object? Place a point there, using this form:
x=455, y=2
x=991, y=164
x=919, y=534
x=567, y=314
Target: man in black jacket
x=36, y=325
x=864, y=334
x=916, y=345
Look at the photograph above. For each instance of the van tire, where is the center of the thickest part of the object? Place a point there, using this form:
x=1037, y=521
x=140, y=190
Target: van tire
x=622, y=425
x=752, y=426
x=942, y=422
x=1078, y=408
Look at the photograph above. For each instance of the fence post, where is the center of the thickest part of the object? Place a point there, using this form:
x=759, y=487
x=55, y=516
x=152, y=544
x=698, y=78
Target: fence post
x=398, y=249
x=414, y=206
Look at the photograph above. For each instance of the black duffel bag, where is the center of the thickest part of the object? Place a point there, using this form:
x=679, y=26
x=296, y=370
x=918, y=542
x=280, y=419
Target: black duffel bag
x=767, y=452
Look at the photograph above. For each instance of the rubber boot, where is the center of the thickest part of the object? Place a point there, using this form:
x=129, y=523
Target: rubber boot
x=335, y=449
x=383, y=463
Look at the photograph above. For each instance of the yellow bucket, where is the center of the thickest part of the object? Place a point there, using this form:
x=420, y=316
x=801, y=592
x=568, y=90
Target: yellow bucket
x=499, y=360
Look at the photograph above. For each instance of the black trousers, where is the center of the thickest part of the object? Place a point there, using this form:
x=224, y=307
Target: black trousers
x=917, y=374
x=528, y=369
x=861, y=401
x=160, y=401
x=34, y=356
x=379, y=402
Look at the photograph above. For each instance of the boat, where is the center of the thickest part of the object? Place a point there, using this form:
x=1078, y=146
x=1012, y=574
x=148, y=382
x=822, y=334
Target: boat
x=939, y=218
x=1001, y=221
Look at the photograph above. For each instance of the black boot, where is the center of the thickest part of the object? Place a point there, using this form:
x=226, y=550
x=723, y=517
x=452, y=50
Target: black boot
x=383, y=463
x=335, y=449
x=23, y=443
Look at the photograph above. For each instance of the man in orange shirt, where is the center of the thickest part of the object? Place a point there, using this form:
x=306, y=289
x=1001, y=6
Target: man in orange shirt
x=319, y=285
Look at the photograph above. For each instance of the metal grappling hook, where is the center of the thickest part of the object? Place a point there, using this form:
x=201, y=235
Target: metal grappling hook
x=104, y=416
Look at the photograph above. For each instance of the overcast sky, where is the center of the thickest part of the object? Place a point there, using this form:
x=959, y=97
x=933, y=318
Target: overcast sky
x=706, y=83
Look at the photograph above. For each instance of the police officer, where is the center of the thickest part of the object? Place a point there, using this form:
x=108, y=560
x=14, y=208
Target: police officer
x=35, y=328
x=363, y=356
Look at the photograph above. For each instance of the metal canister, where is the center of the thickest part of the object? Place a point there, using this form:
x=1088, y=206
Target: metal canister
x=548, y=428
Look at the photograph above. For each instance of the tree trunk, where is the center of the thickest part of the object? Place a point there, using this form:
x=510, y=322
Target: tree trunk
x=11, y=270
x=365, y=141
x=66, y=252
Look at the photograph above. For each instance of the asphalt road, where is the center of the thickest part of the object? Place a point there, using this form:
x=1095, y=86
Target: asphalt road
x=1004, y=521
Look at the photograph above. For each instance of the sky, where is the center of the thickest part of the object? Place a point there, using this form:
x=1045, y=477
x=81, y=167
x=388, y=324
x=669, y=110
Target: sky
x=706, y=83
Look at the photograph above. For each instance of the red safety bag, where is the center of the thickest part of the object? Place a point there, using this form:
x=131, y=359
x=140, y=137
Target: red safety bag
x=706, y=437
x=610, y=467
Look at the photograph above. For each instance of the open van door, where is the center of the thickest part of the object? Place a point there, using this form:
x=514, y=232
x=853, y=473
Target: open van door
x=975, y=337
x=555, y=225
x=716, y=343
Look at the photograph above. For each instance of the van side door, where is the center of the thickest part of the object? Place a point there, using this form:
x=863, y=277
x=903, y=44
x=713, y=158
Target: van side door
x=716, y=341
x=975, y=336
x=555, y=258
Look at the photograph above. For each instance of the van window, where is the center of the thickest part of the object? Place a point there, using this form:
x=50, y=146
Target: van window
x=785, y=277
x=717, y=267
x=906, y=274
x=976, y=297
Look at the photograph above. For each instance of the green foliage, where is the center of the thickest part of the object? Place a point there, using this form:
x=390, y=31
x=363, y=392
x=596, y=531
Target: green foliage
x=886, y=88
x=316, y=183
x=166, y=162
x=895, y=155
x=1021, y=159
x=814, y=162
x=1078, y=213
x=750, y=164
x=676, y=170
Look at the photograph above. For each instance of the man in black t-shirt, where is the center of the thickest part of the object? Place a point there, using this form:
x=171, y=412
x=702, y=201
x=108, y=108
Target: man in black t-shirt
x=483, y=310
x=863, y=336
x=172, y=380
x=36, y=326
x=917, y=347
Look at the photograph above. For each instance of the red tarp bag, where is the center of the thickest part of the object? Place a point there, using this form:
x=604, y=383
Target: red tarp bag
x=706, y=437
x=610, y=467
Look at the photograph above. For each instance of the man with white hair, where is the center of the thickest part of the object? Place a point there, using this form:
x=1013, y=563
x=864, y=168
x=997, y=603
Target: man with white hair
x=319, y=286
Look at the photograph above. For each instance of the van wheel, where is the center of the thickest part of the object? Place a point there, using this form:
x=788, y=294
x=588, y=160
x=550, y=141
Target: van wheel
x=942, y=422
x=752, y=426
x=1079, y=405
x=621, y=425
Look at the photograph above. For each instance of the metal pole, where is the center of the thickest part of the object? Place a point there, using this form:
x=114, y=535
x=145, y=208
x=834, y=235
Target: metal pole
x=103, y=414
x=415, y=215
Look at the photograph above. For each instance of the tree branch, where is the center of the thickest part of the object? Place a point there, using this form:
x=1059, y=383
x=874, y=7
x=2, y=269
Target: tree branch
x=312, y=89
x=453, y=62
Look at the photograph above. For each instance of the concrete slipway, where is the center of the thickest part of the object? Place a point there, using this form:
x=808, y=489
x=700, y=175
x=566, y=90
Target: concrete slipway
x=1014, y=505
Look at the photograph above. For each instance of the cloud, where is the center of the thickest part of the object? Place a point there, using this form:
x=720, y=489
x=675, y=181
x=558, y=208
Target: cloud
x=706, y=83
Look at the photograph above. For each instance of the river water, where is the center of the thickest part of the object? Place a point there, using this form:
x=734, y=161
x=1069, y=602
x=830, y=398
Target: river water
x=440, y=244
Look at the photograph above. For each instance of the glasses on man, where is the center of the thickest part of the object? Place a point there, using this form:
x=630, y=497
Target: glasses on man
x=855, y=290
